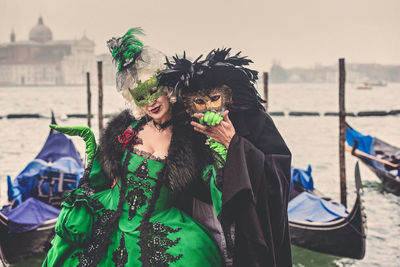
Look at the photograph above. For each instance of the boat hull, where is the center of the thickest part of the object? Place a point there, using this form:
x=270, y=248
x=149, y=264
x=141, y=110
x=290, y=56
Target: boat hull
x=18, y=246
x=344, y=237
x=392, y=184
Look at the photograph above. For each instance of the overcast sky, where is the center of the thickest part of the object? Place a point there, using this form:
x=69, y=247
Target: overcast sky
x=295, y=33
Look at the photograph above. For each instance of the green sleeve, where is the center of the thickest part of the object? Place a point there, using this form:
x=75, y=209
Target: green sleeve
x=216, y=194
x=75, y=222
x=97, y=178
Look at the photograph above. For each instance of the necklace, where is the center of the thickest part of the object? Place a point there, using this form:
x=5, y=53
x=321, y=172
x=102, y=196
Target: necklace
x=162, y=126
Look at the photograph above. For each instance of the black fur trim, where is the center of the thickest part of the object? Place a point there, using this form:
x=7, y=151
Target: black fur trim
x=111, y=151
x=187, y=155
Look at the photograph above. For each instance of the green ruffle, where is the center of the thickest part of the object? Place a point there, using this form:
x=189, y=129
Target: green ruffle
x=77, y=216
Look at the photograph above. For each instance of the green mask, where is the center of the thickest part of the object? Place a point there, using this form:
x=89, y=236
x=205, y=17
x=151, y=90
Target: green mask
x=147, y=92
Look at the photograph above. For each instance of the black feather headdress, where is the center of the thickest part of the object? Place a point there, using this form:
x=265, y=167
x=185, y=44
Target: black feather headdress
x=180, y=73
x=217, y=69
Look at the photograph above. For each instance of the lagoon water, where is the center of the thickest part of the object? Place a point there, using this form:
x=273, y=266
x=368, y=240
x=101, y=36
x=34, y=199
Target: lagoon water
x=312, y=140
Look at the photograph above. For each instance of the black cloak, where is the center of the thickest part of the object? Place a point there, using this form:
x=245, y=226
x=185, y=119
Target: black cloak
x=255, y=180
x=255, y=192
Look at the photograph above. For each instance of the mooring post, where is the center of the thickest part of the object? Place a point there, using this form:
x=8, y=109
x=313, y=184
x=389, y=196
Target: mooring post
x=100, y=81
x=342, y=131
x=265, y=77
x=89, y=99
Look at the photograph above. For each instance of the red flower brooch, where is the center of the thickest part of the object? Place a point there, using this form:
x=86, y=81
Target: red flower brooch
x=129, y=137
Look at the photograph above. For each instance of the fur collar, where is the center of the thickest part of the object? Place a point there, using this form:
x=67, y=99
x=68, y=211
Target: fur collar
x=187, y=155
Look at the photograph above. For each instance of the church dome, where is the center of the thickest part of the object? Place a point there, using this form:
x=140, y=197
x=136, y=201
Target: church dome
x=40, y=33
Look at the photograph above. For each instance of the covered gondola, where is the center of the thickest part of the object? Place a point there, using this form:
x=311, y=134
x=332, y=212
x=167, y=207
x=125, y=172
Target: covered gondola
x=382, y=158
x=319, y=224
x=27, y=223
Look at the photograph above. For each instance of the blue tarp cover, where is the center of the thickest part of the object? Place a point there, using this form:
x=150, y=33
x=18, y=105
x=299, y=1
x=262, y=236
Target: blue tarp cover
x=30, y=215
x=368, y=144
x=57, y=155
x=364, y=141
x=27, y=181
x=307, y=207
x=58, y=146
x=302, y=177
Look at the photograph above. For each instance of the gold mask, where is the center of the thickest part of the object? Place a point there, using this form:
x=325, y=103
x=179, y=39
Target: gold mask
x=215, y=99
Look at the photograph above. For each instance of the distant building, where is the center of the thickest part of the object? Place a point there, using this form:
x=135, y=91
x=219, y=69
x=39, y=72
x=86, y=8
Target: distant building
x=355, y=73
x=44, y=61
x=278, y=74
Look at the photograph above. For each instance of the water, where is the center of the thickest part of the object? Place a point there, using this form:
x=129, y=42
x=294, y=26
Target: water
x=312, y=140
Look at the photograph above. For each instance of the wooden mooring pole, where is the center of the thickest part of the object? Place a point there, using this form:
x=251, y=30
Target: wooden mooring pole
x=100, y=81
x=342, y=131
x=89, y=99
x=265, y=78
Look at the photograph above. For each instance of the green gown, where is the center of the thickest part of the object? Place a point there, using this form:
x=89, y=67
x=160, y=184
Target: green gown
x=149, y=230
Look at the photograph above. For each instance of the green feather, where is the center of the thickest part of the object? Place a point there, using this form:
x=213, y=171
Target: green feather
x=125, y=49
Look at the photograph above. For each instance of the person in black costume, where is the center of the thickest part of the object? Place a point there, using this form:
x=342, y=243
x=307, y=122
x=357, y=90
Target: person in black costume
x=255, y=179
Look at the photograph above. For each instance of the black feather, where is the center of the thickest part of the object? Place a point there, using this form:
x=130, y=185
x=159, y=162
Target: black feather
x=217, y=69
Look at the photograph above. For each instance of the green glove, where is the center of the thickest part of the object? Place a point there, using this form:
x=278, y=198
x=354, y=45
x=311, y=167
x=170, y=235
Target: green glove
x=211, y=118
x=82, y=131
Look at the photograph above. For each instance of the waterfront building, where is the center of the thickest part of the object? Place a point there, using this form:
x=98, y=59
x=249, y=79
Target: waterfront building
x=40, y=60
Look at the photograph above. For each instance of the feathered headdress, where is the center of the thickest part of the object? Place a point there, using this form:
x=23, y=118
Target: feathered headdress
x=180, y=73
x=126, y=49
x=135, y=62
x=217, y=69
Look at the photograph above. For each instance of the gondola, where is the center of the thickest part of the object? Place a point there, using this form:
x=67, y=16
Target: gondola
x=27, y=222
x=382, y=158
x=331, y=230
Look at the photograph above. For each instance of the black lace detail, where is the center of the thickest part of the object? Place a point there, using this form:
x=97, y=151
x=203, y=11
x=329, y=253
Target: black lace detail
x=143, y=184
x=103, y=228
x=142, y=172
x=147, y=155
x=153, y=241
x=90, y=256
x=155, y=251
x=136, y=199
x=120, y=256
x=75, y=195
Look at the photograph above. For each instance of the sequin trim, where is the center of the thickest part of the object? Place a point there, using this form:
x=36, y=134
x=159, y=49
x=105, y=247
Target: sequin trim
x=91, y=255
x=157, y=245
x=147, y=155
x=136, y=199
x=120, y=255
x=154, y=241
x=99, y=239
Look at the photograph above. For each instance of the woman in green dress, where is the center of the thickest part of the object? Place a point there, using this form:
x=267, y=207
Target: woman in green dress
x=129, y=207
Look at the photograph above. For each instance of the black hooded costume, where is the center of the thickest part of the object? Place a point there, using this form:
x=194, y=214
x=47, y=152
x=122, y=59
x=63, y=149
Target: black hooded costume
x=256, y=177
